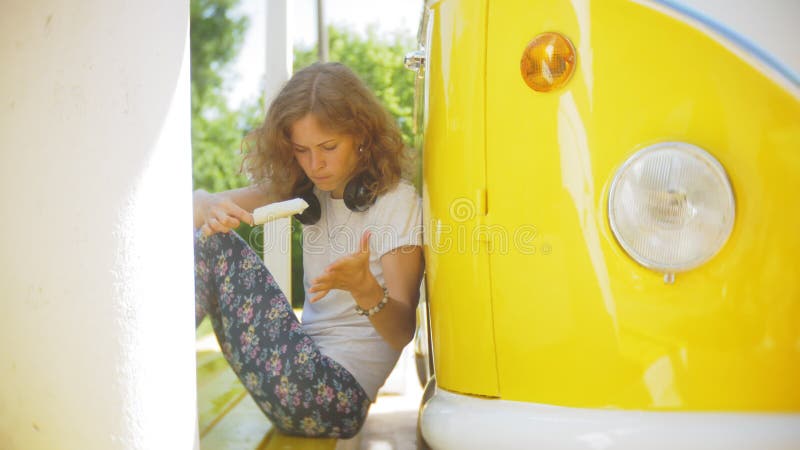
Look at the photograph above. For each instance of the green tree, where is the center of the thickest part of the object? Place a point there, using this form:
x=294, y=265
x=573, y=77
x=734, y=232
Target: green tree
x=217, y=33
x=216, y=37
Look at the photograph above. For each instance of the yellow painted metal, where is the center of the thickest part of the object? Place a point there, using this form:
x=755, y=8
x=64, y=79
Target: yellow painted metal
x=453, y=199
x=576, y=321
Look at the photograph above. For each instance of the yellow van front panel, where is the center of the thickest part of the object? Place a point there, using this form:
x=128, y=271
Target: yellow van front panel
x=453, y=184
x=577, y=321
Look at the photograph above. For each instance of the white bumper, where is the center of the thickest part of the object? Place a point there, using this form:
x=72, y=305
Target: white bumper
x=455, y=421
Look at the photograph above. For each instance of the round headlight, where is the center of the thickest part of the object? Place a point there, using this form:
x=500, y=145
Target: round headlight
x=671, y=206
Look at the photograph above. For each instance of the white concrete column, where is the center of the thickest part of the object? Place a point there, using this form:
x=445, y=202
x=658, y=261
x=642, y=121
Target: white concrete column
x=96, y=297
x=277, y=234
x=279, y=47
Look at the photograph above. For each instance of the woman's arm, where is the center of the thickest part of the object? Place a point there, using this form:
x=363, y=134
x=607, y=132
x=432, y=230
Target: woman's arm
x=402, y=271
x=223, y=211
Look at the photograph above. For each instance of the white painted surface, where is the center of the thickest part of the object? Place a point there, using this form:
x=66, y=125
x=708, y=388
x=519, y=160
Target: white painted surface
x=278, y=253
x=454, y=421
x=278, y=234
x=97, y=308
x=279, y=47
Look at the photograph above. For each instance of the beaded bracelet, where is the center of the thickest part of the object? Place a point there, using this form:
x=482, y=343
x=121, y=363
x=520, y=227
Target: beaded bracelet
x=374, y=310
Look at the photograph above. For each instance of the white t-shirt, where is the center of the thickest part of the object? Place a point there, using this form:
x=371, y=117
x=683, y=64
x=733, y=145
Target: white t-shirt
x=348, y=338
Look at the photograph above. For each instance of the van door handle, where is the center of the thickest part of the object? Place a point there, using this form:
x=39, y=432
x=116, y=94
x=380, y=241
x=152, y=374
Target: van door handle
x=414, y=60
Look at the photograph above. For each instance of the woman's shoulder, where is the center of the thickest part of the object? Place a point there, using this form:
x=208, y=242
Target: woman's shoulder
x=396, y=219
x=400, y=204
x=403, y=192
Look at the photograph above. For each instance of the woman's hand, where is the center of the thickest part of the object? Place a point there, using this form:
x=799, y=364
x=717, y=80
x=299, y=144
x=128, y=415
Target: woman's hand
x=350, y=273
x=402, y=271
x=215, y=213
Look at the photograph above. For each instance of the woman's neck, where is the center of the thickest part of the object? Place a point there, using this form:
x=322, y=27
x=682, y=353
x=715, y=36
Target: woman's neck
x=337, y=194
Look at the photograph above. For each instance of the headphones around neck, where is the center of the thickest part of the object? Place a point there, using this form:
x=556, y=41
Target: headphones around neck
x=358, y=197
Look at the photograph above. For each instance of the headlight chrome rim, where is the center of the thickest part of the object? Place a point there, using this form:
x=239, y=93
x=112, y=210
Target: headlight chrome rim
x=721, y=175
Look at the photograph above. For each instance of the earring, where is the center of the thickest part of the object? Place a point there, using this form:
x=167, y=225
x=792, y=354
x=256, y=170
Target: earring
x=360, y=149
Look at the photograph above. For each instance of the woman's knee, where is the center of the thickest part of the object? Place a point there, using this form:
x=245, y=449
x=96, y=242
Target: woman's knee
x=213, y=244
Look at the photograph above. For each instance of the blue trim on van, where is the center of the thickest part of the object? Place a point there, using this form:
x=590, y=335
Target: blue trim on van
x=736, y=38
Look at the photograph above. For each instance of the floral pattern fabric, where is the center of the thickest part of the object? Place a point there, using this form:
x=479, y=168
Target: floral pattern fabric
x=300, y=390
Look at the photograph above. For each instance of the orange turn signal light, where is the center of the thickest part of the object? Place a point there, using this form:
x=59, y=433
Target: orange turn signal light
x=548, y=62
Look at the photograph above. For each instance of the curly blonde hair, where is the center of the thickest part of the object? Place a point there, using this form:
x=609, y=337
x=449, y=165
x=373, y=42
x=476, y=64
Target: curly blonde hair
x=342, y=103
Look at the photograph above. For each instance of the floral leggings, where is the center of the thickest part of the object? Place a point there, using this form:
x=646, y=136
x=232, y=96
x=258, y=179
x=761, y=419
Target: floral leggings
x=300, y=390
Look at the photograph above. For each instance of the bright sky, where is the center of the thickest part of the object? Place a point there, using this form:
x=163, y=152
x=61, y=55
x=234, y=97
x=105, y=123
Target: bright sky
x=387, y=15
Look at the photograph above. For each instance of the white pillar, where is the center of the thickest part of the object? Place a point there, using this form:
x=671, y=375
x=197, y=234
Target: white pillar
x=322, y=33
x=277, y=234
x=279, y=47
x=96, y=309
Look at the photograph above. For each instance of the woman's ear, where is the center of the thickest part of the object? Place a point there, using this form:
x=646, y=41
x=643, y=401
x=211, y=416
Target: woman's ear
x=364, y=142
x=364, y=148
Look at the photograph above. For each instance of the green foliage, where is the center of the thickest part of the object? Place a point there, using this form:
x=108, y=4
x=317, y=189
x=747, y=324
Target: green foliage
x=217, y=33
x=216, y=143
x=216, y=38
x=298, y=292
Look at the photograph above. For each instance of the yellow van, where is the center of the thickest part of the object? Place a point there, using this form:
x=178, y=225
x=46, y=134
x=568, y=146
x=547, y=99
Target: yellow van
x=612, y=223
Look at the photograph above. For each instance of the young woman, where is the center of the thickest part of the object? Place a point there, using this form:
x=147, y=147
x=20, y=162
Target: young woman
x=326, y=139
